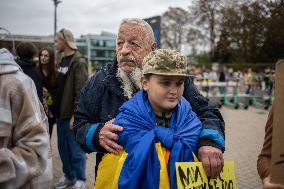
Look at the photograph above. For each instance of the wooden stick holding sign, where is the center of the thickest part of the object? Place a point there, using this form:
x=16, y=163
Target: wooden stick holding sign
x=277, y=153
x=191, y=175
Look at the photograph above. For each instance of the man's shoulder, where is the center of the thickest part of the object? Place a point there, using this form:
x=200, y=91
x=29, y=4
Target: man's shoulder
x=98, y=77
x=18, y=78
x=79, y=58
x=95, y=82
x=103, y=79
x=17, y=81
x=105, y=74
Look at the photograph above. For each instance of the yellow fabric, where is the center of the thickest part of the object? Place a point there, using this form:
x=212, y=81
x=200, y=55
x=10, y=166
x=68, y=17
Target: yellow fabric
x=195, y=159
x=111, y=165
x=164, y=178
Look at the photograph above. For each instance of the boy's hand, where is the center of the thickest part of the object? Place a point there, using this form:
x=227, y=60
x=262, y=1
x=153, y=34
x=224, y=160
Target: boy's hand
x=212, y=160
x=268, y=185
x=108, y=137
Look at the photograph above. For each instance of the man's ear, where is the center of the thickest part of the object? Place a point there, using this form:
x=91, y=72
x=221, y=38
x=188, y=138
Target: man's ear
x=154, y=46
x=144, y=83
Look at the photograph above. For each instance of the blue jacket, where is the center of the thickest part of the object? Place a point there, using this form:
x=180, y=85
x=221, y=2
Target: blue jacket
x=140, y=135
x=102, y=96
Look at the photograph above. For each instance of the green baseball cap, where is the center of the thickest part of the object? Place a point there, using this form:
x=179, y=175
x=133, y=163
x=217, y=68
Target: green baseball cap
x=165, y=62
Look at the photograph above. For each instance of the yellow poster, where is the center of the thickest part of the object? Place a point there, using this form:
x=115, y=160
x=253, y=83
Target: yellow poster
x=191, y=175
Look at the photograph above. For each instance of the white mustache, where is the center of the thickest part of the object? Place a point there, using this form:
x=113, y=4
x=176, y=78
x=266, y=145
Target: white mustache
x=127, y=59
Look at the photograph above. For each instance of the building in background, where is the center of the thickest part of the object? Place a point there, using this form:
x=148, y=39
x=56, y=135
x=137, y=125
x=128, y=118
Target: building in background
x=6, y=40
x=99, y=49
x=155, y=23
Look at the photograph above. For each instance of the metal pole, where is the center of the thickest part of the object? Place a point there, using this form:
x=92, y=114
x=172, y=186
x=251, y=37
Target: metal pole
x=56, y=2
x=13, y=41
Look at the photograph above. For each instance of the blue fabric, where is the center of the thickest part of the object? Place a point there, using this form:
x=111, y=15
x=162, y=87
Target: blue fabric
x=90, y=136
x=213, y=135
x=141, y=168
x=72, y=157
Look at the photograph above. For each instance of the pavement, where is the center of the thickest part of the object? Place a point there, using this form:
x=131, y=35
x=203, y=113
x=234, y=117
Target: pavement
x=244, y=139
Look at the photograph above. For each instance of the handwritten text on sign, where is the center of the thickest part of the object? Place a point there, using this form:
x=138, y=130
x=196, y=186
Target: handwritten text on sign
x=191, y=175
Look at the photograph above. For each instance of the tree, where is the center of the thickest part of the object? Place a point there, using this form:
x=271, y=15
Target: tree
x=205, y=14
x=174, y=29
x=273, y=47
x=229, y=40
x=242, y=31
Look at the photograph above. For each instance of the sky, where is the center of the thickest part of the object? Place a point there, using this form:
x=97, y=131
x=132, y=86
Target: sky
x=36, y=17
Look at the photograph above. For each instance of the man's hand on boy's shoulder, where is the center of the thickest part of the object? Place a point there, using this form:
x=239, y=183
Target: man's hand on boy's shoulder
x=108, y=137
x=212, y=160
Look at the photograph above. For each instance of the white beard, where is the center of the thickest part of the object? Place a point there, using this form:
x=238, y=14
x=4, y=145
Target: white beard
x=129, y=83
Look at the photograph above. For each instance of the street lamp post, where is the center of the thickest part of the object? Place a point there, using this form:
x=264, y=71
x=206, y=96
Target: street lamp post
x=13, y=41
x=56, y=2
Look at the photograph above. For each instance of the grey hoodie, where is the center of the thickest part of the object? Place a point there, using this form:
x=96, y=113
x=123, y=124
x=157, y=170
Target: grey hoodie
x=7, y=62
x=24, y=141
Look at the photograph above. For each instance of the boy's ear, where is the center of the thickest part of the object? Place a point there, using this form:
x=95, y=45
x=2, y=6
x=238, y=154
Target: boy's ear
x=144, y=83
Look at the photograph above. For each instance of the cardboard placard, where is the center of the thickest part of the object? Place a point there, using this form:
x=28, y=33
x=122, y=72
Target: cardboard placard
x=277, y=153
x=191, y=175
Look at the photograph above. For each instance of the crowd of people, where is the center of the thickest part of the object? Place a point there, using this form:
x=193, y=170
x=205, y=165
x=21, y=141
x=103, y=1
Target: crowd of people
x=144, y=108
x=248, y=80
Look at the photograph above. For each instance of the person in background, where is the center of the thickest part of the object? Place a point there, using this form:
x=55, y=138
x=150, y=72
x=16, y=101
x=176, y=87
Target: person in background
x=222, y=78
x=249, y=80
x=264, y=158
x=48, y=72
x=72, y=74
x=24, y=139
x=26, y=54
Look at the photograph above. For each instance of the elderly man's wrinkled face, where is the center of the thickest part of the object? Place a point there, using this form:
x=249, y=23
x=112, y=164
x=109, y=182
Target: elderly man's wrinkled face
x=132, y=45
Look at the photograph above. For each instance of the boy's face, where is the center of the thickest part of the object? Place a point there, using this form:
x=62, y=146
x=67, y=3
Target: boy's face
x=164, y=92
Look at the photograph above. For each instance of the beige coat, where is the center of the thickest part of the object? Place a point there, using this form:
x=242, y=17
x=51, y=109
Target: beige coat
x=264, y=158
x=24, y=140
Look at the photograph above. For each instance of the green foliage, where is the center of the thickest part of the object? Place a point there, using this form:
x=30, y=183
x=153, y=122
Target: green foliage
x=235, y=31
x=203, y=58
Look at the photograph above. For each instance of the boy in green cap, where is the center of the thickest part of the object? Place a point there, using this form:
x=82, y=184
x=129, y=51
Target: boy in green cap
x=160, y=128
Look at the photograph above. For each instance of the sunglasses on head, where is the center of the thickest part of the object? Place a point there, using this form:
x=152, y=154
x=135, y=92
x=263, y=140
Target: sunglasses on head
x=62, y=32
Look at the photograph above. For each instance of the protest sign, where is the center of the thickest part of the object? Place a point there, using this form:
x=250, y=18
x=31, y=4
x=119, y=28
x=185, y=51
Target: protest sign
x=191, y=175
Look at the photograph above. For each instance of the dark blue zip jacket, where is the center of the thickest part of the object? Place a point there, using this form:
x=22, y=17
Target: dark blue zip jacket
x=102, y=96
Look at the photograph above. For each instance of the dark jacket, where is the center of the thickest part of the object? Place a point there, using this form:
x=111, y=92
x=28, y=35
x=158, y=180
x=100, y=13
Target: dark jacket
x=50, y=97
x=29, y=68
x=102, y=96
x=77, y=75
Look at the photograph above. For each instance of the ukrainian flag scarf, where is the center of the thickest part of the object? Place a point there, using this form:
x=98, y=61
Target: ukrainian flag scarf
x=141, y=168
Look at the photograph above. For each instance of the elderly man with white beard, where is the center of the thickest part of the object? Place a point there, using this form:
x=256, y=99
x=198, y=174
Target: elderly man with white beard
x=106, y=91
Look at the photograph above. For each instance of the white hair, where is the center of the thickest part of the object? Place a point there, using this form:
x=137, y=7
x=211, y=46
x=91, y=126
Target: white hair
x=130, y=83
x=143, y=23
